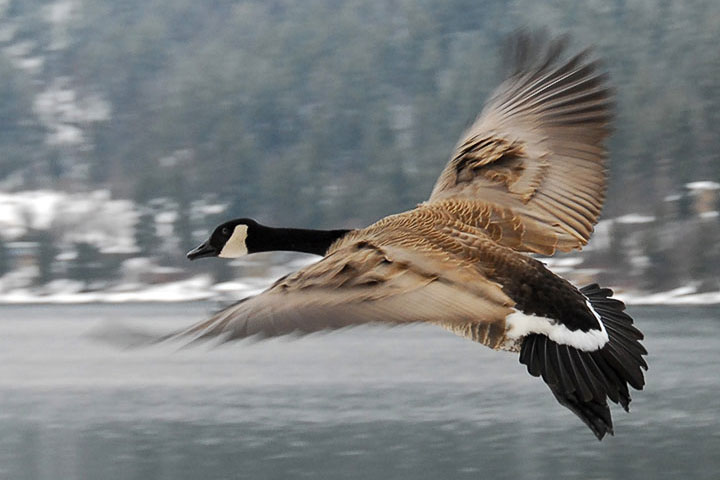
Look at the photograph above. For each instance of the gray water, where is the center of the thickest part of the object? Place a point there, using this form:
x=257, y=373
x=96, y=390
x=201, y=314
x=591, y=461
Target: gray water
x=366, y=403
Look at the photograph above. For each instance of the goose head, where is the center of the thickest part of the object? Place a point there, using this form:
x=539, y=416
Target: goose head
x=242, y=236
x=228, y=240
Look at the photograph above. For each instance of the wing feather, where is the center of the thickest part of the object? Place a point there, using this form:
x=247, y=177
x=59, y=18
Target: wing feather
x=360, y=284
x=538, y=147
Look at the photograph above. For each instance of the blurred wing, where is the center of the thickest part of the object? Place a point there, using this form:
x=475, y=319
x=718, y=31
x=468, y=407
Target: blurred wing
x=365, y=284
x=536, y=152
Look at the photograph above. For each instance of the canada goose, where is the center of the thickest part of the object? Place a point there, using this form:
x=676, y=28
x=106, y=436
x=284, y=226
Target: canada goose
x=527, y=177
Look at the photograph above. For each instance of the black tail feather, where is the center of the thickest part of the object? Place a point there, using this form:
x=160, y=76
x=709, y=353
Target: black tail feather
x=583, y=381
x=596, y=415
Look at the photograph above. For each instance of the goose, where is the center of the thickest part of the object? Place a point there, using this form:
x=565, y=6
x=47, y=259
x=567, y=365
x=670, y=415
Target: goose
x=528, y=177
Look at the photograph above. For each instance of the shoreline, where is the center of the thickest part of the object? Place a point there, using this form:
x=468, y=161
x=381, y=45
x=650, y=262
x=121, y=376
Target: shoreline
x=200, y=289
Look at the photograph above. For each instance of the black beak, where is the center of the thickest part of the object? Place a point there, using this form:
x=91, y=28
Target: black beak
x=202, y=250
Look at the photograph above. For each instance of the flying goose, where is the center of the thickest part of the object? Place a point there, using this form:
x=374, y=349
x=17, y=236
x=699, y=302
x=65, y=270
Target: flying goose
x=528, y=177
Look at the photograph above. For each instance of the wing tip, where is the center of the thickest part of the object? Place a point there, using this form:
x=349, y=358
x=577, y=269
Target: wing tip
x=526, y=48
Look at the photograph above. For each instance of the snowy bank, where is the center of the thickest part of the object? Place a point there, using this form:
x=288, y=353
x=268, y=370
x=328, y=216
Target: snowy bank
x=679, y=296
x=201, y=288
x=193, y=289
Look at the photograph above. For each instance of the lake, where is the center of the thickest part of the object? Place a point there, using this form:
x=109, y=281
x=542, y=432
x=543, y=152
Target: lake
x=366, y=403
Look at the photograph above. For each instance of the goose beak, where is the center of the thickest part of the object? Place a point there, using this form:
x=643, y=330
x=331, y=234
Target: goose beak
x=202, y=250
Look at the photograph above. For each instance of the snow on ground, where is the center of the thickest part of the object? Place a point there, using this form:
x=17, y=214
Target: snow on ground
x=632, y=218
x=561, y=265
x=24, y=210
x=192, y=289
x=679, y=296
x=196, y=288
x=93, y=217
x=703, y=185
x=60, y=109
x=201, y=288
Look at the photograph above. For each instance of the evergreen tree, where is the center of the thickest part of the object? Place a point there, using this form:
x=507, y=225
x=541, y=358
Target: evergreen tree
x=90, y=266
x=46, y=253
x=146, y=238
x=661, y=273
x=20, y=133
x=705, y=255
x=183, y=227
x=4, y=257
x=617, y=249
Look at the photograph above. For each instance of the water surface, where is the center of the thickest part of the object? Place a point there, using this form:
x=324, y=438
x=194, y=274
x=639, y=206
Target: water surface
x=403, y=403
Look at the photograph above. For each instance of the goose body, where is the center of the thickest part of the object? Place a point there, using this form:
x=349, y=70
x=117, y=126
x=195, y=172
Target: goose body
x=527, y=177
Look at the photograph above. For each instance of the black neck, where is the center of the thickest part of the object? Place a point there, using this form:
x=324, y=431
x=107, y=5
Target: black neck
x=268, y=239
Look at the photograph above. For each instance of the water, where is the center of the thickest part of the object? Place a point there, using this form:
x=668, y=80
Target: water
x=405, y=403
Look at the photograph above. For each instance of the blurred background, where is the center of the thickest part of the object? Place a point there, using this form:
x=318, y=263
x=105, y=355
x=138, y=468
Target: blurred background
x=129, y=129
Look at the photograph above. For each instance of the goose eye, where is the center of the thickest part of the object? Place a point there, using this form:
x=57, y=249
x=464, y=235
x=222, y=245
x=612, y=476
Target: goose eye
x=226, y=231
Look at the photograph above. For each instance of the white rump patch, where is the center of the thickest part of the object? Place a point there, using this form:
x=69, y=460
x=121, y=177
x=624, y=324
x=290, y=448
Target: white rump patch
x=520, y=324
x=597, y=316
x=235, y=246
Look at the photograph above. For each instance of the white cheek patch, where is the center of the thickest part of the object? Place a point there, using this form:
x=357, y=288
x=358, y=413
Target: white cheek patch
x=235, y=246
x=520, y=324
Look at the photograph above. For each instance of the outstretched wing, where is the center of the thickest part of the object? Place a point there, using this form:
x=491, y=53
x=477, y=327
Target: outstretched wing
x=537, y=152
x=362, y=283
